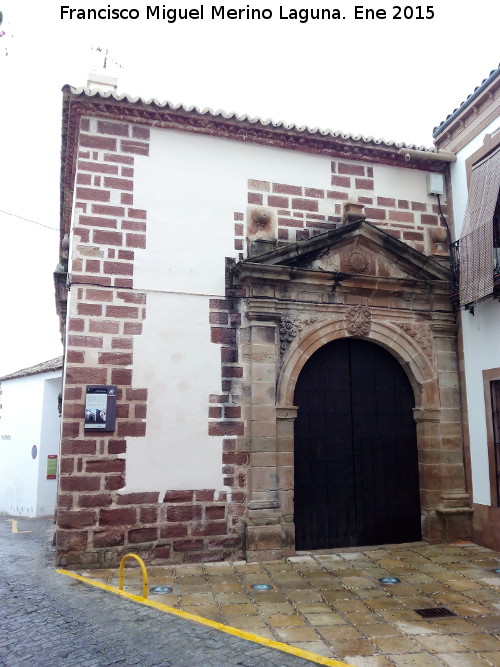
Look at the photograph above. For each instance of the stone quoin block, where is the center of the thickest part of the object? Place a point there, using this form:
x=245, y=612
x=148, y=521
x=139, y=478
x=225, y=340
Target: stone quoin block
x=76, y=519
x=142, y=535
x=178, y=497
x=188, y=545
x=173, y=530
x=98, y=167
x=124, y=516
x=92, y=141
x=108, y=538
x=148, y=515
x=92, y=194
x=71, y=540
x=122, y=159
x=78, y=447
x=341, y=181
x=109, y=127
x=305, y=204
x=282, y=188
x=98, y=221
x=103, y=465
x=264, y=538
x=180, y=513
x=351, y=169
x=114, y=482
x=80, y=483
x=138, y=147
x=94, y=500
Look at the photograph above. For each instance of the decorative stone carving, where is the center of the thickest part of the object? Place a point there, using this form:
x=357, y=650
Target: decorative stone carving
x=421, y=334
x=358, y=320
x=261, y=224
x=289, y=328
x=330, y=261
x=439, y=238
x=357, y=262
x=261, y=230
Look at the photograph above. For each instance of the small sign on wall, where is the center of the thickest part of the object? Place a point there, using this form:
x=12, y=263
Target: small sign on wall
x=100, y=407
x=51, y=466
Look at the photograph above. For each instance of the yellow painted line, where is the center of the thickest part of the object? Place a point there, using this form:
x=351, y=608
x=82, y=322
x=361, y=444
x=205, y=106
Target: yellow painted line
x=286, y=648
x=13, y=523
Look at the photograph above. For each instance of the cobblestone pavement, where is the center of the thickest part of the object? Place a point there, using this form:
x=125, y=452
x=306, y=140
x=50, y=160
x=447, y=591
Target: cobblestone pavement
x=47, y=619
x=333, y=604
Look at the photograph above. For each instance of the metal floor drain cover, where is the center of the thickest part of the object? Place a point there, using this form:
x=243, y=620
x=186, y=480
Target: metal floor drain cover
x=434, y=612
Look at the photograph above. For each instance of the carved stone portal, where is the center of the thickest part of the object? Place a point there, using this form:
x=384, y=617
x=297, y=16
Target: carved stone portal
x=292, y=308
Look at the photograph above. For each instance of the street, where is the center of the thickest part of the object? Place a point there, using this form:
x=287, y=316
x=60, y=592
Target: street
x=49, y=619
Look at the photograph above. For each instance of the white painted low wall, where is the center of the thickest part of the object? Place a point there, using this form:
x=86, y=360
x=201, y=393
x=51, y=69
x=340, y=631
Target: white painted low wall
x=29, y=416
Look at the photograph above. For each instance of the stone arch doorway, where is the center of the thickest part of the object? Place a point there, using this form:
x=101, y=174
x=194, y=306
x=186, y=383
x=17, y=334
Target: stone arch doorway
x=355, y=455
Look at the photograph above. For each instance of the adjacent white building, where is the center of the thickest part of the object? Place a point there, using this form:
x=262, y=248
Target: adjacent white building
x=472, y=132
x=29, y=439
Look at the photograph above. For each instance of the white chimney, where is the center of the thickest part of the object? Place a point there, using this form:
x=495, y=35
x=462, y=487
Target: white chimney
x=102, y=80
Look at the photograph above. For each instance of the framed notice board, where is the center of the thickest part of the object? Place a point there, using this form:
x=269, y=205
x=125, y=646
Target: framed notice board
x=100, y=407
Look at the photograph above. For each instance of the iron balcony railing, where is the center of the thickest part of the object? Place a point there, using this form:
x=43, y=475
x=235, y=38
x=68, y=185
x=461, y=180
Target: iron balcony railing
x=457, y=292
x=455, y=270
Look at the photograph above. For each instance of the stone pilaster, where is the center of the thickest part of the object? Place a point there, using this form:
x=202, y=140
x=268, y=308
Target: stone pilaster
x=264, y=536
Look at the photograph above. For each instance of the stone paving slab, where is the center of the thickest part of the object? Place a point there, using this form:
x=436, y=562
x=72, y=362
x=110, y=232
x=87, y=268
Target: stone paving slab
x=332, y=603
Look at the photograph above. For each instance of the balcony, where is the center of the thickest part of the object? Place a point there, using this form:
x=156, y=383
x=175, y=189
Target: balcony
x=475, y=266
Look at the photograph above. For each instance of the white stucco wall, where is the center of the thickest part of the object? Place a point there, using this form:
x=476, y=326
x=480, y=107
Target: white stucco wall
x=176, y=361
x=481, y=336
x=28, y=418
x=191, y=186
x=49, y=445
x=399, y=183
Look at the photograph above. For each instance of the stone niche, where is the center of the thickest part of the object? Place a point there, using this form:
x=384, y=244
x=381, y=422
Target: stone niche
x=353, y=281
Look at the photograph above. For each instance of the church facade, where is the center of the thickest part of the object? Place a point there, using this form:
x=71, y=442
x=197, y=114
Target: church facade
x=270, y=308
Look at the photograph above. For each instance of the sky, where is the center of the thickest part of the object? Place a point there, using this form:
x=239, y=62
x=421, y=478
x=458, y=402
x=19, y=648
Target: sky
x=383, y=77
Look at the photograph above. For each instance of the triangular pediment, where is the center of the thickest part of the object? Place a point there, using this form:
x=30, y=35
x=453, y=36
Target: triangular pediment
x=357, y=248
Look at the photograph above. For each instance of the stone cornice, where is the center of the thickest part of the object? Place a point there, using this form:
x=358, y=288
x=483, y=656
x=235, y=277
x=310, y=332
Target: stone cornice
x=281, y=277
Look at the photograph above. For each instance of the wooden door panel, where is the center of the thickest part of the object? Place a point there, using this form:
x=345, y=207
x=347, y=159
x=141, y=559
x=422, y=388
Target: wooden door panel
x=324, y=495
x=356, y=467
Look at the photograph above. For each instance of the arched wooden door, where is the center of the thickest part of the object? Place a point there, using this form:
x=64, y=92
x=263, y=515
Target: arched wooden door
x=356, y=465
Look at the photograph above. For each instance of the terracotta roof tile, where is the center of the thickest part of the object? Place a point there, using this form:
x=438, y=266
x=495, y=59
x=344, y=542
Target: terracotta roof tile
x=241, y=118
x=44, y=367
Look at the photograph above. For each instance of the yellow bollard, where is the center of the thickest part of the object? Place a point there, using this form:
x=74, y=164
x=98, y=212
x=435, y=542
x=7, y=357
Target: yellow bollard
x=143, y=569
